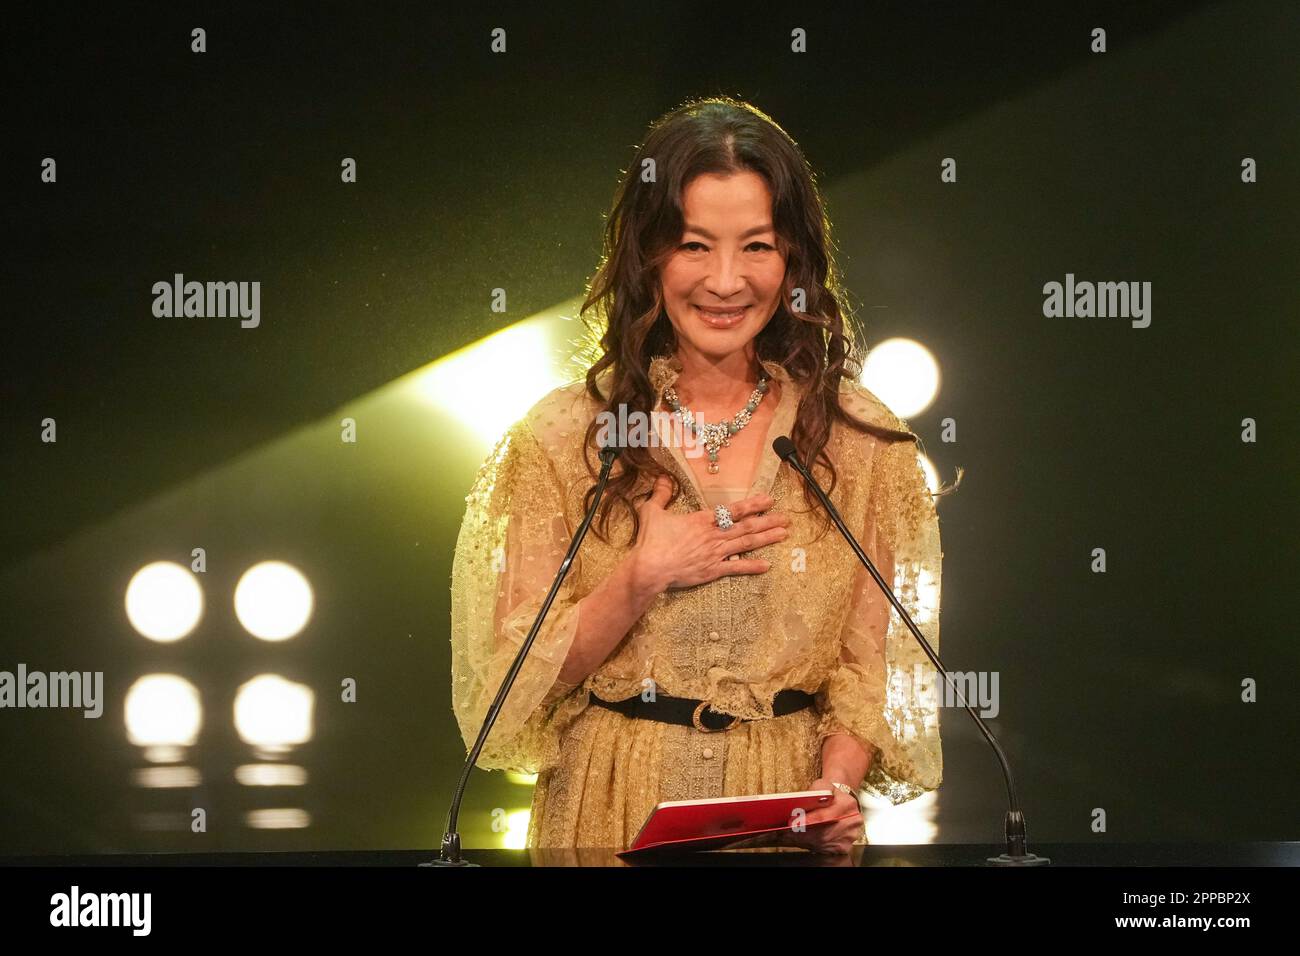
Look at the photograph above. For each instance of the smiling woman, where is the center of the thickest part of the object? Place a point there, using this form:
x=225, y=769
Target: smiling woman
x=728, y=271
x=712, y=638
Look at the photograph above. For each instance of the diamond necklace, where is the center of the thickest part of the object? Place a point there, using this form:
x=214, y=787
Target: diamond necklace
x=717, y=434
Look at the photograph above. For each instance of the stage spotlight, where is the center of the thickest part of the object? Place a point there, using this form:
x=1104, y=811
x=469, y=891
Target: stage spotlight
x=931, y=473
x=165, y=778
x=271, y=775
x=278, y=818
x=907, y=823
x=164, y=601
x=492, y=383
x=274, y=714
x=903, y=374
x=516, y=835
x=273, y=600
x=163, y=711
x=927, y=595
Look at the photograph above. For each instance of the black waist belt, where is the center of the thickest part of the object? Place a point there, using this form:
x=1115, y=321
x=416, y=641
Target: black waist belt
x=697, y=713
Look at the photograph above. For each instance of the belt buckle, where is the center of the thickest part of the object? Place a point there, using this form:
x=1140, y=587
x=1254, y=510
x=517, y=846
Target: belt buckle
x=695, y=720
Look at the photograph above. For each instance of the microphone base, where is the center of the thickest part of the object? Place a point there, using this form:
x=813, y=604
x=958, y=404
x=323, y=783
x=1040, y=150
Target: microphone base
x=1017, y=854
x=449, y=855
x=1027, y=859
x=461, y=862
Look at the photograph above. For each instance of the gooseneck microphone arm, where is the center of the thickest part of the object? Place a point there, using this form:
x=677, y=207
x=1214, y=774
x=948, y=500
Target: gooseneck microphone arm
x=449, y=855
x=1016, y=854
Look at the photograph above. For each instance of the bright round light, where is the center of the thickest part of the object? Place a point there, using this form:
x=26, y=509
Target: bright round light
x=274, y=713
x=931, y=475
x=903, y=374
x=273, y=600
x=164, y=601
x=516, y=834
x=912, y=822
x=163, y=710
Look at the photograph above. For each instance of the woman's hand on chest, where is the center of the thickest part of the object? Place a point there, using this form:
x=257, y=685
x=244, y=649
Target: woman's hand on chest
x=682, y=550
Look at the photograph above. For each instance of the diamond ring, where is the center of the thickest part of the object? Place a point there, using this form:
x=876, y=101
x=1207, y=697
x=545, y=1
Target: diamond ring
x=722, y=516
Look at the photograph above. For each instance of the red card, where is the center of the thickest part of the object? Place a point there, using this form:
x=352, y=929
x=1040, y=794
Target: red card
x=681, y=825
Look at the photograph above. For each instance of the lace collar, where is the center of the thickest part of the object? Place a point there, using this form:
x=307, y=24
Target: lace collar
x=663, y=372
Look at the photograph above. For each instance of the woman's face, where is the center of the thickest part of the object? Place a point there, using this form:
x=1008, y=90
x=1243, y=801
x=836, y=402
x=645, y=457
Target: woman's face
x=723, y=282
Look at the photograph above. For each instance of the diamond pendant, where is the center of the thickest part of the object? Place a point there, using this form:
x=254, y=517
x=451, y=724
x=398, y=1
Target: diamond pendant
x=717, y=435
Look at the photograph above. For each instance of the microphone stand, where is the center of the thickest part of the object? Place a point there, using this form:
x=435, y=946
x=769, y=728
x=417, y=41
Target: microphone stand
x=1016, y=854
x=449, y=855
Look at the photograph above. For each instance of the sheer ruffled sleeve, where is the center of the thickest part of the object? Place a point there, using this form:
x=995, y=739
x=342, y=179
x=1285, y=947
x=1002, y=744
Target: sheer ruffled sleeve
x=512, y=539
x=883, y=691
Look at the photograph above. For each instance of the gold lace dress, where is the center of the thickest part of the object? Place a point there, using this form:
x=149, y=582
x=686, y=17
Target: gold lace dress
x=814, y=621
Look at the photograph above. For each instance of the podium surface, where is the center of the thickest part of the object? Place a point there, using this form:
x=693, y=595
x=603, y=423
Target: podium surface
x=1271, y=854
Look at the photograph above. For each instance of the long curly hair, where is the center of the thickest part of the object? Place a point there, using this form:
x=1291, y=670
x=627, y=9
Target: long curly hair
x=623, y=312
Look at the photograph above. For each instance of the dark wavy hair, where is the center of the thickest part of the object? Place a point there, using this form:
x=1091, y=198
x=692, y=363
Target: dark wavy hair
x=623, y=311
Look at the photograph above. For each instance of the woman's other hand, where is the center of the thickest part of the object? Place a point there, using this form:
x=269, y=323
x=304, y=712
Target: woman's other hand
x=681, y=550
x=837, y=837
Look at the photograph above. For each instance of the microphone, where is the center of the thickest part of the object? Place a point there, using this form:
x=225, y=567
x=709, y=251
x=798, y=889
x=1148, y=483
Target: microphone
x=449, y=855
x=1016, y=854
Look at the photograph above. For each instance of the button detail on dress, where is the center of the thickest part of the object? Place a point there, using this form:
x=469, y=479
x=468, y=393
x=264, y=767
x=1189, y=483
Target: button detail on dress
x=713, y=635
x=707, y=753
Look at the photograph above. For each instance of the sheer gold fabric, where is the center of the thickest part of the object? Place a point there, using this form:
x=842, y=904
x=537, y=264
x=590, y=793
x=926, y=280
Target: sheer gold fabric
x=815, y=621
